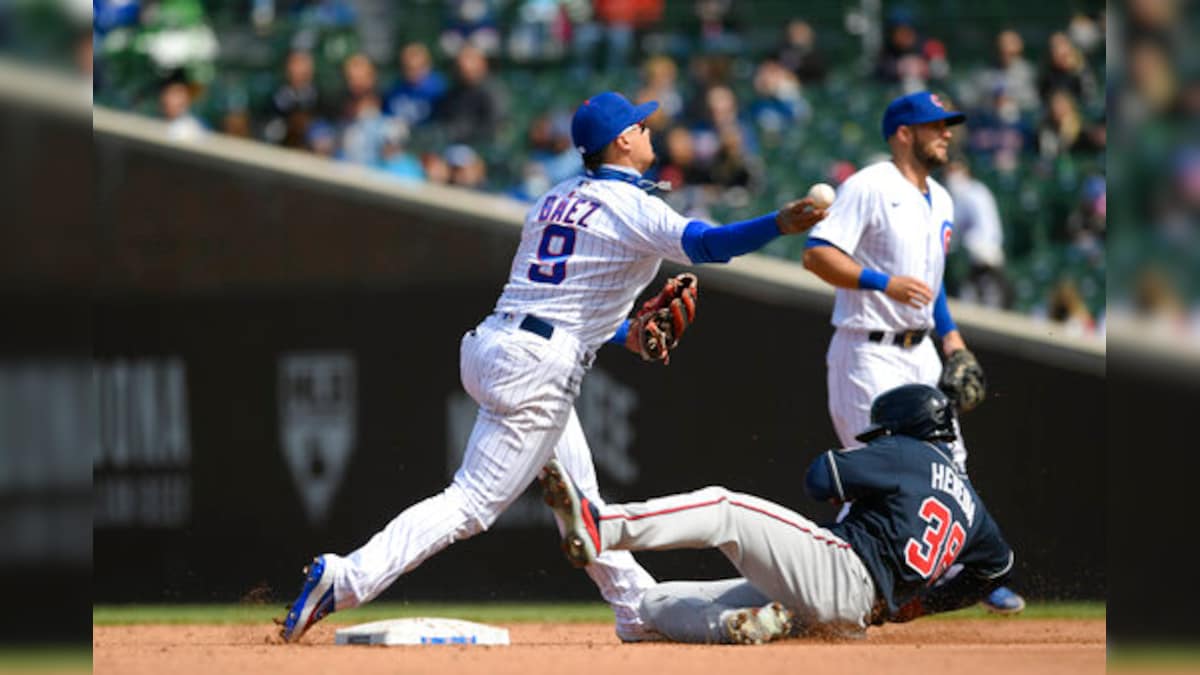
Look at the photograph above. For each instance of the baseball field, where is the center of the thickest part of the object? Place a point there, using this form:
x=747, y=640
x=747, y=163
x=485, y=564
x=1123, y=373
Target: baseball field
x=578, y=638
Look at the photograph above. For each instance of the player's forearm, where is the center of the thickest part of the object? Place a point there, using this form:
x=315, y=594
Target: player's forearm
x=833, y=266
x=943, y=323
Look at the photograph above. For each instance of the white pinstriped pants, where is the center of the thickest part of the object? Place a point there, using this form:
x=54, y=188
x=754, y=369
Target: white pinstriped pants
x=858, y=370
x=784, y=555
x=526, y=387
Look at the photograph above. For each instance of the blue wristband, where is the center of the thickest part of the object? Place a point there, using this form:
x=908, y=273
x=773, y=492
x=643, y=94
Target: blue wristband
x=870, y=280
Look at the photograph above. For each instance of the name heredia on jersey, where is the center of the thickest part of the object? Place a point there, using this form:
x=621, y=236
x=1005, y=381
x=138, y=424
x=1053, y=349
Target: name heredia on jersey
x=946, y=479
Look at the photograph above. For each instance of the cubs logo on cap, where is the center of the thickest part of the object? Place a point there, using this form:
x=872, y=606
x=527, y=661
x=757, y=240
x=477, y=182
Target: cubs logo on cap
x=917, y=108
x=603, y=117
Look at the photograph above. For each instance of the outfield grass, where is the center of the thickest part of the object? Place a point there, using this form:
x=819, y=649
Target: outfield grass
x=116, y=615
x=46, y=660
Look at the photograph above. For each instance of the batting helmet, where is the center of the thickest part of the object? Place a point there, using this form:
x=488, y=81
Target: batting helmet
x=915, y=410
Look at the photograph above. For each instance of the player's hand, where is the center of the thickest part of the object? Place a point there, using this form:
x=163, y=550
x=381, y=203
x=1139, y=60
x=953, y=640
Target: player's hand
x=909, y=290
x=799, y=216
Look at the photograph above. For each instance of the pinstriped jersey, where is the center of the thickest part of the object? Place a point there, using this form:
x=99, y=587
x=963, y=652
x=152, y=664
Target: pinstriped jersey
x=885, y=223
x=588, y=249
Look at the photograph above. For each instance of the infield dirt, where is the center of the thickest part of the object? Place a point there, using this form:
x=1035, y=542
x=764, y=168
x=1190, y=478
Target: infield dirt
x=975, y=646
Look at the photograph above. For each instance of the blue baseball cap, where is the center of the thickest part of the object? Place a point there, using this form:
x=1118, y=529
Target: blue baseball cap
x=603, y=117
x=917, y=108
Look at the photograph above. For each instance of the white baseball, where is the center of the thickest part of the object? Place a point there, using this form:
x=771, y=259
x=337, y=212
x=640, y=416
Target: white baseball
x=822, y=195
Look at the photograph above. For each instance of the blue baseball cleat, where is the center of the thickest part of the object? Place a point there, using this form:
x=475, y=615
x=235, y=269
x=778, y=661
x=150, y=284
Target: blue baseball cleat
x=315, y=601
x=1004, y=601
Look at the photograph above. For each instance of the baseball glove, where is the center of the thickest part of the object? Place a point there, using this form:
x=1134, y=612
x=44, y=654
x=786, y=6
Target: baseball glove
x=656, y=328
x=962, y=380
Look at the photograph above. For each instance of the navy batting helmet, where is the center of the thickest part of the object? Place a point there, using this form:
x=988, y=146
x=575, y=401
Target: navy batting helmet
x=915, y=410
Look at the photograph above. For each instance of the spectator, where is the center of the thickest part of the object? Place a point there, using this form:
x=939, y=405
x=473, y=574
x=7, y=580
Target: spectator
x=1068, y=308
x=236, y=122
x=1158, y=304
x=360, y=97
x=550, y=147
x=660, y=82
x=473, y=108
x=1066, y=71
x=175, y=105
x=778, y=105
x=1061, y=130
x=999, y=133
x=295, y=104
x=902, y=61
x=720, y=113
x=839, y=171
x=679, y=165
x=1011, y=73
x=1152, y=81
x=395, y=160
x=717, y=30
x=420, y=88
x=799, y=52
x=551, y=158
x=471, y=23
x=364, y=127
x=979, y=231
x=435, y=167
x=1086, y=226
x=1086, y=31
x=540, y=32
x=614, y=24
x=731, y=168
x=466, y=167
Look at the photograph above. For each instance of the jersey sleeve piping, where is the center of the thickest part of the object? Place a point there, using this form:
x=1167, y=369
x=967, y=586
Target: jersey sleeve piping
x=837, y=479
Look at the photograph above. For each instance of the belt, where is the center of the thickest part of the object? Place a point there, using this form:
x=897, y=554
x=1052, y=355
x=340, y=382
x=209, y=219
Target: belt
x=536, y=326
x=904, y=339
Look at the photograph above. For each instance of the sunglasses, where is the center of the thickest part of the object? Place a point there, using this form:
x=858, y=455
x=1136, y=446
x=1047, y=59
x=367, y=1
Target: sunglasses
x=640, y=126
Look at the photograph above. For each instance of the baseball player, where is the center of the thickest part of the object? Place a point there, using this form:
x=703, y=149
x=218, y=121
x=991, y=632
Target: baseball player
x=588, y=248
x=914, y=515
x=884, y=247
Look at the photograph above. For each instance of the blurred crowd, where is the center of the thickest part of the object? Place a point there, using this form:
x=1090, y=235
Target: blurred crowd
x=756, y=105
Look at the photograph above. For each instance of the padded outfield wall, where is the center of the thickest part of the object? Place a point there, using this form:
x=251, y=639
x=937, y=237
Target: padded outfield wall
x=273, y=342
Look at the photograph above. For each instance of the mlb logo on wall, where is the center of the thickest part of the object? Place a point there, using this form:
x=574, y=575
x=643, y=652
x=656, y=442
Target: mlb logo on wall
x=318, y=424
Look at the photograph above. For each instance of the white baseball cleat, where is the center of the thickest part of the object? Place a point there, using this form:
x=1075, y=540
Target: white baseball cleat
x=581, y=538
x=756, y=626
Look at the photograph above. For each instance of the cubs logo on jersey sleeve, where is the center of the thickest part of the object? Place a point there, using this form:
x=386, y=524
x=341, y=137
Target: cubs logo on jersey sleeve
x=947, y=235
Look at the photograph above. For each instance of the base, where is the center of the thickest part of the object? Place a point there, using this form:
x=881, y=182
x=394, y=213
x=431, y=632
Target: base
x=422, y=631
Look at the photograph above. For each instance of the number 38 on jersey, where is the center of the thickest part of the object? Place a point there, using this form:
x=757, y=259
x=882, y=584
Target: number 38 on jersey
x=940, y=543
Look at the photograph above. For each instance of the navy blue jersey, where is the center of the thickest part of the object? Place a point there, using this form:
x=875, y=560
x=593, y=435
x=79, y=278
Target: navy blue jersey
x=913, y=515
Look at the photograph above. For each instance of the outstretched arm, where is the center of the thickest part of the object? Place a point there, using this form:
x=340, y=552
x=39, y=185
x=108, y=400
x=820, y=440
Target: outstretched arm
x=706, y=243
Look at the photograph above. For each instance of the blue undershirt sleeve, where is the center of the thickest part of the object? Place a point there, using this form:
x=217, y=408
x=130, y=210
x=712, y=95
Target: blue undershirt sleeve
x=942, y=323
x=814, y=242
x=618, y=338
x=710, y=243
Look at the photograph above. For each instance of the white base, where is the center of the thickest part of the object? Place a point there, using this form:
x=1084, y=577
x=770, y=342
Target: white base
x=422, y=631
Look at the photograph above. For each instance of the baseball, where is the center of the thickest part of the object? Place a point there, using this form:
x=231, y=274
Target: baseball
x=822, y=195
